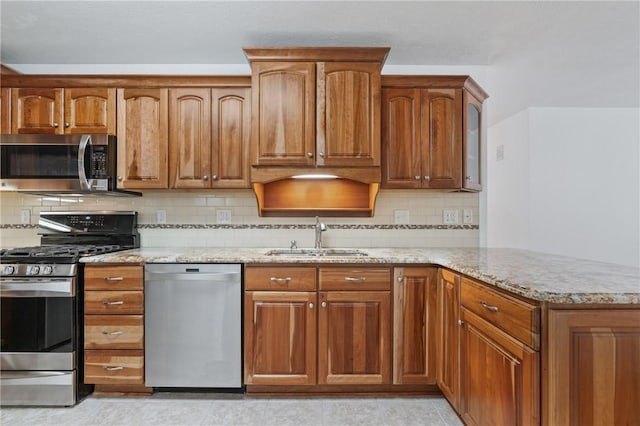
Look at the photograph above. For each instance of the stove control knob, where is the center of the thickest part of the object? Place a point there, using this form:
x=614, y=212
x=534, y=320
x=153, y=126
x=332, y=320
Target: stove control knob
x=8, y=270
x=48, y=270
x=35, y=270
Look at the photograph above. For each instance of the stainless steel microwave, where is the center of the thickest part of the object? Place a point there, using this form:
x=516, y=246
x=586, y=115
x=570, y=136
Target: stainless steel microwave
x=59, y=164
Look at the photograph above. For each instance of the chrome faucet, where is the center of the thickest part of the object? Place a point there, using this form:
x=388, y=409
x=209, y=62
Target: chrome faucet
x=320, y=228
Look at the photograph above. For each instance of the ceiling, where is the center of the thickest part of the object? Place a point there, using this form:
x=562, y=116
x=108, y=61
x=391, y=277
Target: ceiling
x=536, y=53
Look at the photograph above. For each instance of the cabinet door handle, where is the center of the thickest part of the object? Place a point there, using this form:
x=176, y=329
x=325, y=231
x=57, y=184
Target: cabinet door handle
x=427, y=178
x=56, y=125
x=468, y=178
x=66, y=124
x=113, y=278
x=117, y=302
x=119, y=367
x=205, y=177
x=417, y=177
x=310, y=305
x=400, y=278
x=280, y=280
x=323, y=304
x=488, y=307
x=310, y=154
x=355, y=279
x=460, y=323
x=113, y=333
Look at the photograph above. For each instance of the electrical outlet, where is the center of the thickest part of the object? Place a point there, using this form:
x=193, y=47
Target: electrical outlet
x=161, y=217
x=401, y=217
x=450, y=216
x=223, y=216
x=25, y=216
x=467, y=216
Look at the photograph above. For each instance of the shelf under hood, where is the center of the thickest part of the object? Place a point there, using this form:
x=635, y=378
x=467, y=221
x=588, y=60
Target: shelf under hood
x=339, y=197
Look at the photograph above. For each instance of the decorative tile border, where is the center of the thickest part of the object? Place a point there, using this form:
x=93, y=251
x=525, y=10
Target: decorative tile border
x=269, y=226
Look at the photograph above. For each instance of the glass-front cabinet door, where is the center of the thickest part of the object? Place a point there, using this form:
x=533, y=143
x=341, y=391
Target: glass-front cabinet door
x=472, y=135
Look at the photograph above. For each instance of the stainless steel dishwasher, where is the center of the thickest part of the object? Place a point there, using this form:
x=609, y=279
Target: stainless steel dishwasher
x=193, y=325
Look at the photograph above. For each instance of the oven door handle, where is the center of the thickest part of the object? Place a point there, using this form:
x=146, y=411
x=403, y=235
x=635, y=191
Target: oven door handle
x=32, y=288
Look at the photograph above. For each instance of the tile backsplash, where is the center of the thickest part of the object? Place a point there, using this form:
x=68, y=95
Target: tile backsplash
x=198, y=219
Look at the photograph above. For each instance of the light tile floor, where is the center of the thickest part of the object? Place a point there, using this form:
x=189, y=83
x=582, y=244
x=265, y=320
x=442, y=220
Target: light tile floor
x=227, y=409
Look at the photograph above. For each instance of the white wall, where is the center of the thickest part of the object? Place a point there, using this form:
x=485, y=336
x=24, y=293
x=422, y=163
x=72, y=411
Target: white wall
x=582, y=197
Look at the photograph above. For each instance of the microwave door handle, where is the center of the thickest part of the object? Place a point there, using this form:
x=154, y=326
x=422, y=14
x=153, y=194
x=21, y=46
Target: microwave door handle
x=85, y=141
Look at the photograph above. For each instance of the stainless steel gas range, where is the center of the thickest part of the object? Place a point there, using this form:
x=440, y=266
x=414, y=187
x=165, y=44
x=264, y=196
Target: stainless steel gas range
x=41, y=295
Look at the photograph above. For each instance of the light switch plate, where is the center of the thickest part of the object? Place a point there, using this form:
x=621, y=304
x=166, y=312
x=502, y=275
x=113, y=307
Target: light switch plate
x=401, y=217
x=161, y=217
x=450, y=216
x=467, y=216
x=223, y=216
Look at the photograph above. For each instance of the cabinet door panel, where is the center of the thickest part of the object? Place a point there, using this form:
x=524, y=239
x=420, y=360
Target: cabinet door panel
x=189, y=138
x=472, y=133
x=448, y=329
x=283, y=113
x=500, y=376
x=441, y=136
x=90, y=111
x=231, y=121
x=354, y=338
x=414, y=336
x=37, y=111
x=280, y=338
x=348, y=114
x=5, y=110
x=593, y=372
x=401, y=138
x=143, y=138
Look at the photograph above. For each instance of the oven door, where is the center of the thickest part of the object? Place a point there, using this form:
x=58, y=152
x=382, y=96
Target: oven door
x=37, y=316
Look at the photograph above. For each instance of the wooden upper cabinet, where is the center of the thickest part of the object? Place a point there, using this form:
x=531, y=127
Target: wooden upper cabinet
x=89, y=111
x=189, y=138
x=401, y=138
x=230, y=138
x=5, y=110
x=63, y=111
x=143, y=138
x=284, y=109
x=472, y=135
x=414, y=325
x=348, y=111
x=316, y=106
x=37, y=111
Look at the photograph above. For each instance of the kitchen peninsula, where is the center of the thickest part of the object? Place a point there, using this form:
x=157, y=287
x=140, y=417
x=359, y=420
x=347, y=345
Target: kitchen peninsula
x=556, y=329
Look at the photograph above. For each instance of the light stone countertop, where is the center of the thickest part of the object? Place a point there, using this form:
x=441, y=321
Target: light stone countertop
x=537, y=276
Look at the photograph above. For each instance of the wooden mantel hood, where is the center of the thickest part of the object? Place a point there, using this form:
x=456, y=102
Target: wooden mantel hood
x=318, y=54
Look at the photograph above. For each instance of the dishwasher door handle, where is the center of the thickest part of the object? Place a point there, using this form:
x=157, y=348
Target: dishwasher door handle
x=191, y=276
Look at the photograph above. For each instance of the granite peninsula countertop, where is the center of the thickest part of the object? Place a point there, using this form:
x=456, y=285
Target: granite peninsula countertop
x=537, y=276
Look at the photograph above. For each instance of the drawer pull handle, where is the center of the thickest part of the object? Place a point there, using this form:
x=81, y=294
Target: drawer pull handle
x=488, y=307
x=117, y=302
x=357, y=279
x=119, y=367
x=280, y=280
x=113, y=278
x=113, y=333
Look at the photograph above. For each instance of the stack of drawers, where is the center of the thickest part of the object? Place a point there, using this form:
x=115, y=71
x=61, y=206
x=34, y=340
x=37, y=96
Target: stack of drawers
x=113, y=325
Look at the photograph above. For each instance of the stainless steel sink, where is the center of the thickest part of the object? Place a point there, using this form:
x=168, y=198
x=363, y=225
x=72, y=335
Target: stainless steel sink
x=316, y=252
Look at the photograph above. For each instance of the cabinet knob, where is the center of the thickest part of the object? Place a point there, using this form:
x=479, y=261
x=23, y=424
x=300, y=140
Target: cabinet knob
x=120, y=178
x=214, y=177
x=468, y=177
x=427, y=178
x=321, y=155
x=417, y=177
x=460, y=322
x=324, y=304
x=55, y=125
x=310, y=154
x=310, y=305
x=66, y=124
x=400, y=278
x=205, y=177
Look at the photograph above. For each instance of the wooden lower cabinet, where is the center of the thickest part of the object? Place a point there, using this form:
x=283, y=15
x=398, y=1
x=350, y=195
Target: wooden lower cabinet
x=280, y=337
x=354, y=337
x=499, y=376
x=593, y=367
x=114, y=327
x=414, y=325
x=448, y=336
